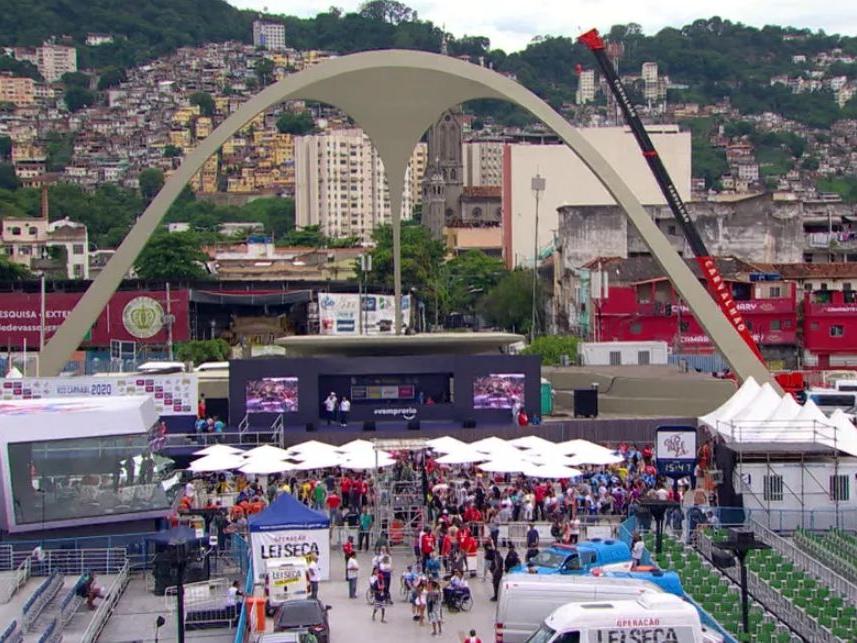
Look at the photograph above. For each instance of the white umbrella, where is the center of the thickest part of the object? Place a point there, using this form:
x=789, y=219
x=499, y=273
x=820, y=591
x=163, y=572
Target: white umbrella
x=267, y=467
x=356, y=445
x=446, y=444
x=595, y=458
x=217, y=462
x=532, y=442
x=215, y=449
x=320, y=460
x=465, y=456
x=580, y=446
x=267, y=452
x=492, y=444
x=552, y=471
x=504, y=465
x=359, y=462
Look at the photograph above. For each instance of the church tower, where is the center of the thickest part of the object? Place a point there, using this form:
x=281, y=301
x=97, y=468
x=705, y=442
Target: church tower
x=445, y=161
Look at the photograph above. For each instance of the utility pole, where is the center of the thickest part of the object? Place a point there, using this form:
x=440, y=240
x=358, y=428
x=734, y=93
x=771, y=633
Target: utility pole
x=537, y=184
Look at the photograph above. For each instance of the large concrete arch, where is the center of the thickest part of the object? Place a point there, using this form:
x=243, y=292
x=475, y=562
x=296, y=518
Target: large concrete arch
x=395, y=96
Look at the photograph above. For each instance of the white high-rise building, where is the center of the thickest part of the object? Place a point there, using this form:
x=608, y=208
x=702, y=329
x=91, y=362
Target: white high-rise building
x=51, y=60
x=269, y=35
x=341, y=186
x=585, y=87
x=651, y=85
x=483, y=163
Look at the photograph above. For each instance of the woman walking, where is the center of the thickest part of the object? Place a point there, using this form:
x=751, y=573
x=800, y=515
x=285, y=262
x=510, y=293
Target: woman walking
x=379, y=597
x=434, y=606
x=420, y=602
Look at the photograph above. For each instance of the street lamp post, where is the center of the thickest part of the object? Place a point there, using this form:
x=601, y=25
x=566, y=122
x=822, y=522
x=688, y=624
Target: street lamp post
x=537, y=184
x=658, y=509
x=740, y=543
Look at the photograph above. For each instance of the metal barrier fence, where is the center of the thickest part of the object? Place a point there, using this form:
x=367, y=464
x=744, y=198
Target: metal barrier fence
x=249, y=438
x=12, y=634
x=16, y=581
x=65, y=561
x=789, y=520
x=249, y=582
x=195, y=594
x=133, y=544
x=43, y=594
x=806, y=563
x=105, y=609
x=53, y=634
x=798, y=620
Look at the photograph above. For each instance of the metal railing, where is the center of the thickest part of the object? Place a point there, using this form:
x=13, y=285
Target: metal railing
x=233, y=438
x=794, y=617
x=17, y=580
x=43, y=594
x=75, y=562
x=806, y=563
x=103, y=611
x=70, y=603
x=53, y=634
x=195, y=594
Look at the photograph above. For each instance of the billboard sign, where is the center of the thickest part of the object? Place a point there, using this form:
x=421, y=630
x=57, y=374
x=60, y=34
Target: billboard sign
x=175, y=394
x=675, y=450
x=131, y=316
x=339, y=314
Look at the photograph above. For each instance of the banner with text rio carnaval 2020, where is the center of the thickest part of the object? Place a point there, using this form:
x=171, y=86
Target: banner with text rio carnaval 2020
x=175, y=394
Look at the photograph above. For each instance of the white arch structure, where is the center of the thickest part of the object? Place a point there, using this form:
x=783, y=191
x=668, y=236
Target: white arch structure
x=395, y=96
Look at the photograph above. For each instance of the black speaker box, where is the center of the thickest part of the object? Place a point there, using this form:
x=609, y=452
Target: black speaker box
x=586, y=402
x=310, y=427
x=469, y=423
x=369, y=425
x=413, y=425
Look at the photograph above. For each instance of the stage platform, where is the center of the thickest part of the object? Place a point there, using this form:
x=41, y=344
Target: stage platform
x=602, y=430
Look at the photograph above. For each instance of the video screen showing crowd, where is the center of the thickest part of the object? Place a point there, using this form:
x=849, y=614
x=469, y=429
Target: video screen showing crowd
x=272, y=395
x=499, y=391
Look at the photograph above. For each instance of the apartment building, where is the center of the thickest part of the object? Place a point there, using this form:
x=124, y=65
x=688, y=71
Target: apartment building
x=51, y=60
x=19, y=91
x=341, y=185
x=585, y=87
x=483, y=163
x=269, y=35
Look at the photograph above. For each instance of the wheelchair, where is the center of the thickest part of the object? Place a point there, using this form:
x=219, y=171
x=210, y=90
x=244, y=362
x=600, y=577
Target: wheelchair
x=457, y=600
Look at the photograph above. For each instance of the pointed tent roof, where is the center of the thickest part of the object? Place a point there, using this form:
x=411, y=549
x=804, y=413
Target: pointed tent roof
x=286, y=512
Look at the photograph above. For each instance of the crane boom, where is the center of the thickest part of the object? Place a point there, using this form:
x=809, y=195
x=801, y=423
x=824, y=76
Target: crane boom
x=721, y=291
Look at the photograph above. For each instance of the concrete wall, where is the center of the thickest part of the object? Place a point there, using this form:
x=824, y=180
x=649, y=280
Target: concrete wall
x=569, y=181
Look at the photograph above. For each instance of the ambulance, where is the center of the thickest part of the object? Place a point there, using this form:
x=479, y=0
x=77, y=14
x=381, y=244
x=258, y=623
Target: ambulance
x=651, y=618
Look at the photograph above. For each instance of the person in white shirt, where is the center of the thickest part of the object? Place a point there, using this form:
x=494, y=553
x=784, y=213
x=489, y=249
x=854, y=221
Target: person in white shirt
x=352, y=570
x=313, y=575
x=330, y=407
x=637, y=549
x=344, y=410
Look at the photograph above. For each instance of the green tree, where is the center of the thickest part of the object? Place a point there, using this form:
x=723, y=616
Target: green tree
x=76, y=98
x=509, y=304
x=298, y=124
x=5, y=147
x=470, y=277
x=421, y=260
x=151, y=181
x=111, y=77
x=59, y=149
x=177, y=256
x=388, y=11
x=171, y=151
x=10, y=271
x=844, y=186
x=309, y=236
x=264, y=69
x=76, y=79
x=205, y=101
x=551, y=348
x=8, y=178
x=203, y=350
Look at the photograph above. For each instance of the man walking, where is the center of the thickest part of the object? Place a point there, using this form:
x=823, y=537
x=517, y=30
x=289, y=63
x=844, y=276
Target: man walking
x=330, y=404
x=344, y=410
x=365, y=521
x=313, y=575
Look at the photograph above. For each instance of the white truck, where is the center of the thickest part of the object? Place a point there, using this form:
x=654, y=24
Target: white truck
x=651, y=618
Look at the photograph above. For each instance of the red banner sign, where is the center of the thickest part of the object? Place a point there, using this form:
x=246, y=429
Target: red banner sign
x=131, y=316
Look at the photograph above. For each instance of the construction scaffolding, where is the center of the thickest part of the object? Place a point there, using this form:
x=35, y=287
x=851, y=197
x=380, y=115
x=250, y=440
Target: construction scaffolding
x=400, y=493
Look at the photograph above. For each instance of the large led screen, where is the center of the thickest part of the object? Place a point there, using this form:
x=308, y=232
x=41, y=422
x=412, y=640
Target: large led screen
x=498, y=390
x=272, y=395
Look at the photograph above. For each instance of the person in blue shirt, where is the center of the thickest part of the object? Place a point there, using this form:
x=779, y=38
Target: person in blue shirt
x=201, y=425
x=218, y=425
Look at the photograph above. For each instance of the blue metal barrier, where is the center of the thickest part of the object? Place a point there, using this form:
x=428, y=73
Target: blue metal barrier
x=249, y=581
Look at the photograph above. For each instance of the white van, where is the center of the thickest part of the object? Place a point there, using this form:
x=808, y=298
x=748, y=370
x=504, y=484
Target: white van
x=285, y=579
x=655, y=618
x=527, y=599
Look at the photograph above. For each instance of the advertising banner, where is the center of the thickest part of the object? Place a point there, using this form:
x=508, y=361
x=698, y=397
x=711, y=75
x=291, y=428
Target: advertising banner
x=288, y=543
x=131, y=316
x=339, y=314
x=175, y=394
x=675, y=450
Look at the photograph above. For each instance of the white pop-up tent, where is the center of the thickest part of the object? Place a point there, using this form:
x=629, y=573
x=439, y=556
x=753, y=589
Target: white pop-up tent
x=758, y=419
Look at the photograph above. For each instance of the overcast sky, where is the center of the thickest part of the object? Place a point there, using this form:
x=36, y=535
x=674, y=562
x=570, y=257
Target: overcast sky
x=511, y=24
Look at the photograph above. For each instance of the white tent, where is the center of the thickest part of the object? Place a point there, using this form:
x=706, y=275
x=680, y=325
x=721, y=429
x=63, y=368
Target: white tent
x=364, y=460
x=311, y=445
x=217, y=462
x=533, y=442
x=757, y=418
x=504, y=465
x=594, y=458
x=216, y=449
x=267, y=452
x=356, y=445
x=320, y=460
x=266, y=467
x=493, y=445
x=580, y=446
x=446, y=444
x=552, y=471
x=464, y=456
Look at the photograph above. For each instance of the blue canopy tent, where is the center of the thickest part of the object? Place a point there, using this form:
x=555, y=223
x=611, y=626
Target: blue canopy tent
x=288, y=529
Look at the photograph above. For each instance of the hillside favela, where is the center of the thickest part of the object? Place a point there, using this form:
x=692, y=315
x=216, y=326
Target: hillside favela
x=469, y=322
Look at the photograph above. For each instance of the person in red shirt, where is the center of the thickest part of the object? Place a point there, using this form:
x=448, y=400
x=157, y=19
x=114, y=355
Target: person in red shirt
x=348, y=550
x=539, y=495
x=446, y=550
x=345, y=489
x=472, y=638
x=200, y=408
x=427, y=545
x=333, y=502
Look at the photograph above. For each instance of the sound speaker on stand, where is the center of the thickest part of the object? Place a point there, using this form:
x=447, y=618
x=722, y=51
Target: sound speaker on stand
x=586, y=402
x=413, y=425
x=310, y=427
x=469, y=423
x=369, y=425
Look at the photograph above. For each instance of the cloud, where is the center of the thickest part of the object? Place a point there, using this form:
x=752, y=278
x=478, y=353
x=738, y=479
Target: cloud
x=511, y=24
